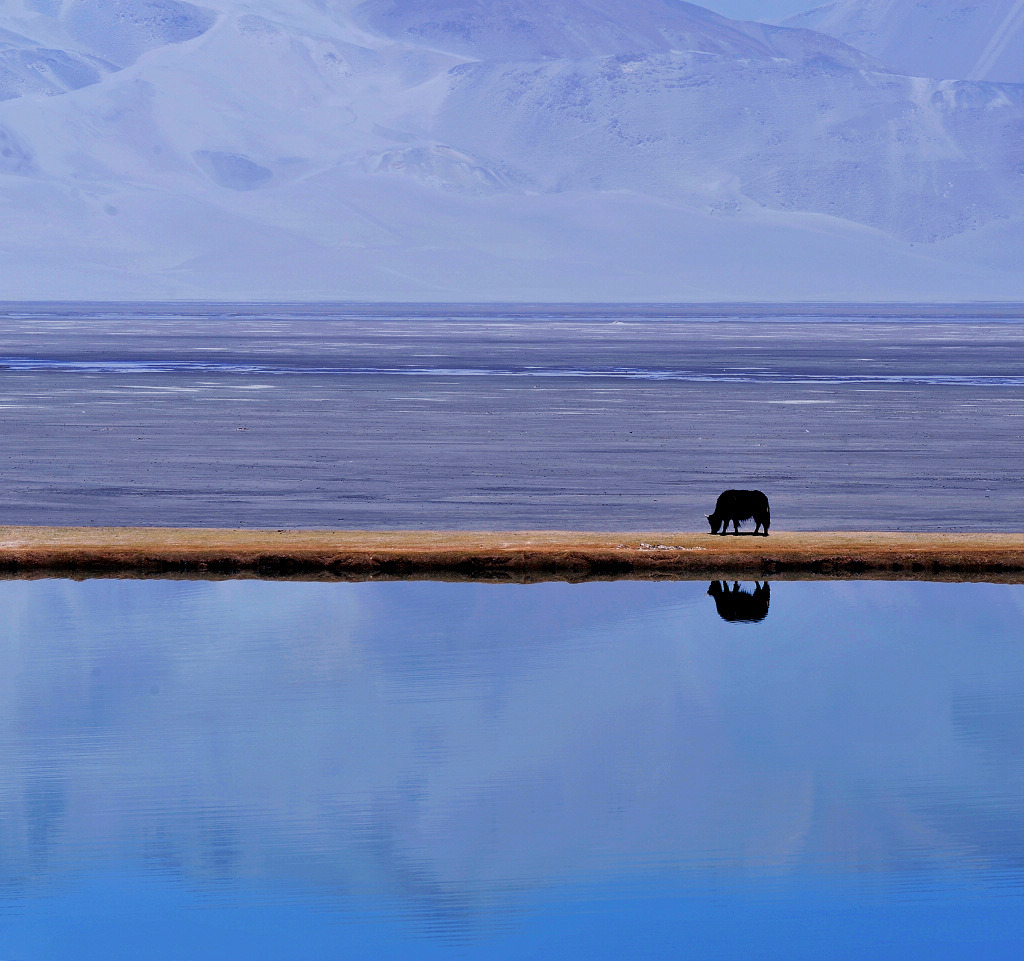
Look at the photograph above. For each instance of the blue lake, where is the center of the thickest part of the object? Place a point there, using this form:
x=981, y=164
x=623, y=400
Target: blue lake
x=259, y=770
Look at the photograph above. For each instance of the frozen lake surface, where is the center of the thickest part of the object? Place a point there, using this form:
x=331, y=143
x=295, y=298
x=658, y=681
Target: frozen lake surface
x=604, y=771
x=467, y=417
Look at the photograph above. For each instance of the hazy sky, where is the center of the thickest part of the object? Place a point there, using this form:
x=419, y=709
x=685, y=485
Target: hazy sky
x=758, y=9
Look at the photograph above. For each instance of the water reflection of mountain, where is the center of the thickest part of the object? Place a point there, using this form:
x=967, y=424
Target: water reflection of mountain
x=739, y=604
x=438, y=743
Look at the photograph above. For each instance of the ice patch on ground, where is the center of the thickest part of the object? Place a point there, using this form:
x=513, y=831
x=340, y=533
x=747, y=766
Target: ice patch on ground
x=28, y=69
x=15, y=157
x=123, y=30
x=232, y=170
x=440, y=166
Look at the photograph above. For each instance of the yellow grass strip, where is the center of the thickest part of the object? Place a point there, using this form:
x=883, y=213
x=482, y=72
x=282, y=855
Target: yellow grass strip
x=503, y=556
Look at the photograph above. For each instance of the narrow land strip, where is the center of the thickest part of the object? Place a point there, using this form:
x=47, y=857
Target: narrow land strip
x=520, y=556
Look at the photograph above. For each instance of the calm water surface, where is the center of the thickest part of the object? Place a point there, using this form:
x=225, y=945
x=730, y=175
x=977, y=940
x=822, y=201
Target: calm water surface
x=196, y=770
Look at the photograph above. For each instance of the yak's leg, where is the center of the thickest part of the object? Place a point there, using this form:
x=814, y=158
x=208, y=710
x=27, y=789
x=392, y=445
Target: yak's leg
x=735, y=525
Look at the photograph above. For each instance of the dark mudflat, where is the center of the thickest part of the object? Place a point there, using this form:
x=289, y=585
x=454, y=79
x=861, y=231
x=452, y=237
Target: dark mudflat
x=569, y=418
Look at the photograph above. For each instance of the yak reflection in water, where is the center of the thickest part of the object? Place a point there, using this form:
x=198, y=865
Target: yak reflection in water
x=738, y=604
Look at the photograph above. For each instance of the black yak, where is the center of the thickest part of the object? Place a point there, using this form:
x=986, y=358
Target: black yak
x=735, y=506
x=738, y=605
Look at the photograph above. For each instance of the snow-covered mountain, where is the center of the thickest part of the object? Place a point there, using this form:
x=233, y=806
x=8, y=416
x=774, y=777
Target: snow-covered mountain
x=579, y=29
x=953, y=39
x=463, y=149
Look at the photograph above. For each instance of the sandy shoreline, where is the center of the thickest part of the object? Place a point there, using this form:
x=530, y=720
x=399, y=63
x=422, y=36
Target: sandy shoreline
x=520, y=556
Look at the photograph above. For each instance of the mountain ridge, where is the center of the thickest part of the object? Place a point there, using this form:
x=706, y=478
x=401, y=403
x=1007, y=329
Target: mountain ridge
x=296, y=149
x=947, y=39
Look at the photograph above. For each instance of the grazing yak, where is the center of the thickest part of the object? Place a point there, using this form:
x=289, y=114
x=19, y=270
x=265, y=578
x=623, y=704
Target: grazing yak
x=739, y=605
x=736, y=506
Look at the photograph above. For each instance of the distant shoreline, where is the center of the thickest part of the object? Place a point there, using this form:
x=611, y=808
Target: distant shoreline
x=511, y=556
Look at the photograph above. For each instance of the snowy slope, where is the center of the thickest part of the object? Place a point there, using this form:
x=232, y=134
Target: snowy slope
x=116, y=31
x=577, y=29
x=886, y=151
x=955, y=39
x=586, y=149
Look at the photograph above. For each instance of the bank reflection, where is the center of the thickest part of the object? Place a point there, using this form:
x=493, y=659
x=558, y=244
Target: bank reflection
x=739, y=604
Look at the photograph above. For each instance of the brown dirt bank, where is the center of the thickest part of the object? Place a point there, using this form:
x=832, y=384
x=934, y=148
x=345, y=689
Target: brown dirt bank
x=520, y=556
